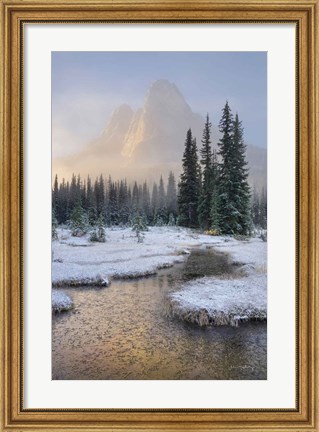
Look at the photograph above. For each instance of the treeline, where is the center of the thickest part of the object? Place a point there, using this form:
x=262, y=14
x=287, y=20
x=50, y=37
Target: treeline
x=259, y=209
x=213, y=191
x=114, y=202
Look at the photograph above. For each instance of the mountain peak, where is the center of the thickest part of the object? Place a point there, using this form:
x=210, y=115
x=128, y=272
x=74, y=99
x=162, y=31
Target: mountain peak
x=162, y=84
x=123, y=110
x=164, y=97
x=163, y=88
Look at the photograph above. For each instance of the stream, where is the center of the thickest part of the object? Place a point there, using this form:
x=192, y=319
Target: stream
x=121, y=332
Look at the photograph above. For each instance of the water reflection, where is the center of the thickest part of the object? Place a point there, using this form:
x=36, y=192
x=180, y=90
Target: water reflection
x=121, y=332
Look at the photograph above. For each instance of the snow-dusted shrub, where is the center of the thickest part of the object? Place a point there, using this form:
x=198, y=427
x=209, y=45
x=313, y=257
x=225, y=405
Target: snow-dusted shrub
x=98, y=233
x=171, y=220
x=139, y=226
x=79, y=222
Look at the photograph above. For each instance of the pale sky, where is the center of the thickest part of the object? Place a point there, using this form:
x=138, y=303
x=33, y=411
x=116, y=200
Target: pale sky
x=88, y=86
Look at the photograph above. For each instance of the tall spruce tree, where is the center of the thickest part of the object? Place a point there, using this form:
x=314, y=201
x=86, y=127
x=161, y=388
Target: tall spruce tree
x=189, y=185
x=205, y=199
x=228, y=211
x=234, y=193
x=214, y=202
x=240, y=182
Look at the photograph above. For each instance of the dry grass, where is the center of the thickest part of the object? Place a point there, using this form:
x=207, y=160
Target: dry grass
x=203, y=317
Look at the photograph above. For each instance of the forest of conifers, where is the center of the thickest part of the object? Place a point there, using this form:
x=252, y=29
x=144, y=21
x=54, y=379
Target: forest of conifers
x=212, y=192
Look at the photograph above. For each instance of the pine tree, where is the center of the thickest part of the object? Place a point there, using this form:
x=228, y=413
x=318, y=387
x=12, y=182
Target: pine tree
x=205, y=199
x=189, y=185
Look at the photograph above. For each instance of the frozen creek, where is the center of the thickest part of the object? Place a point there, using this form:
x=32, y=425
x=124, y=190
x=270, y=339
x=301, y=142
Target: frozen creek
x=122, y=332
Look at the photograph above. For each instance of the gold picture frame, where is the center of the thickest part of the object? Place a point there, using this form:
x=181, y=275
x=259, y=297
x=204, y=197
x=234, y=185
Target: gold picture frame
x=14, y=14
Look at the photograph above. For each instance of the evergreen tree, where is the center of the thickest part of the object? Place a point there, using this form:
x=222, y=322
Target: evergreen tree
x=54, y=226
x=154, y=202
x=146, y=200
x=124, y=210
x=234, y=193
x=55, y=198
x=78, y=221
x=205, y=199
x=74, y=196
x=171, y=196
x=64, y=199
x=214, y=202
x=135, y=198
x=139, y=227
x=90, y=202
x=161, y=216
x=189, y=185
x=263, y=209
x=113, y=207
x=240, y=179
x=99, y=189
x=255, y=210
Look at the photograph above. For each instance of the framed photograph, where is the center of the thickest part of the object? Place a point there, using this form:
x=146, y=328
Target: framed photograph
x=160, y=215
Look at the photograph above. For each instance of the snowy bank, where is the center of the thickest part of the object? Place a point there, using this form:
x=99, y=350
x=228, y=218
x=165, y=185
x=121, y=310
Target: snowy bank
x=61, y=301
x=212, y=301
x=230, y=300
x=79, y=262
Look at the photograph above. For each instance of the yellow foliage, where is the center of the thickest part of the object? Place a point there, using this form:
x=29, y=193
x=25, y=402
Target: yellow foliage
x=212, y=232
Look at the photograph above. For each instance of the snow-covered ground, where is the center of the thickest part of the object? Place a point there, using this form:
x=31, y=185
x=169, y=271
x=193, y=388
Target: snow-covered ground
x=61, y=301
x=211, y=300
x=77, y=261
x=240, y=297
